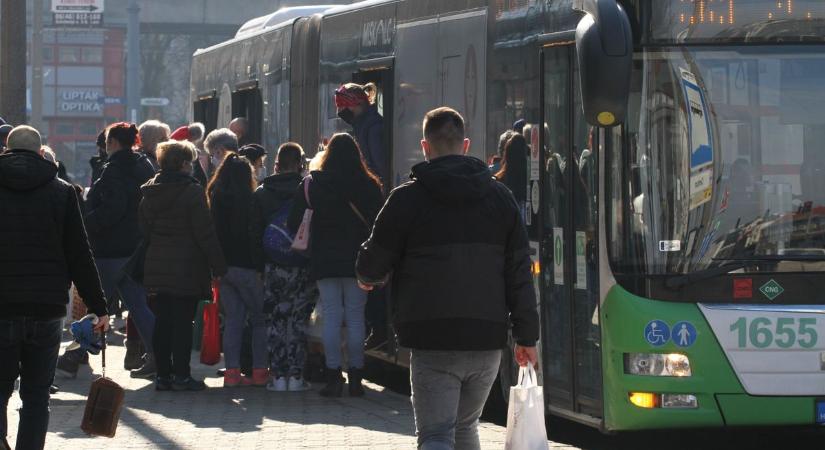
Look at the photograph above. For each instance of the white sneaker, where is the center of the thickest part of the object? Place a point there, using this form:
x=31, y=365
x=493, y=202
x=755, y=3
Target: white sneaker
x=277, y=384
x=297, y=384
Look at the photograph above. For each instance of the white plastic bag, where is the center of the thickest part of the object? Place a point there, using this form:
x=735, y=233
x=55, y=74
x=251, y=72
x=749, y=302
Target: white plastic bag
x=525, y=416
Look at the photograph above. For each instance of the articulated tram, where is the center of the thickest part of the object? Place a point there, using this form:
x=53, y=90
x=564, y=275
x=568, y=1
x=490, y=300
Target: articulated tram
x=676, y=188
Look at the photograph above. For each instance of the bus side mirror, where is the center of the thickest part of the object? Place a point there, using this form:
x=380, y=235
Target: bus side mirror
x=604, y=45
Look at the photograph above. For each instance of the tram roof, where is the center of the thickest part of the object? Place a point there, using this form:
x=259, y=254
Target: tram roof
x=340, y=9
x=270, y=22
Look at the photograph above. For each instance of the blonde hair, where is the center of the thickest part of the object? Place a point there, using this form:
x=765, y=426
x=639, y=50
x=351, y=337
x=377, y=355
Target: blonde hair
x=172, y=155
x=152, y=133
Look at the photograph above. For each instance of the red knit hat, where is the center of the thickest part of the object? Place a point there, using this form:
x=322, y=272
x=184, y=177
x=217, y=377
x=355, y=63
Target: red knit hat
x=181, y=134
x=348, y=98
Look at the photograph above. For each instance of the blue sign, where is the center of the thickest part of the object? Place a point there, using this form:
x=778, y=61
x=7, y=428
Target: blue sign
x=820, y=411
x=111, y=100
x=684, y=334
x=657, y=333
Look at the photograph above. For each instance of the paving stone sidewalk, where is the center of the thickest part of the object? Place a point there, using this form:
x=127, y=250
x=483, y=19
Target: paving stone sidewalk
x=241, y=418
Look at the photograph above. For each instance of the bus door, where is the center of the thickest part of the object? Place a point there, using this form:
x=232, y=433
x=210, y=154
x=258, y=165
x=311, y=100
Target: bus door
x=206, y=110
x=247, y=102
x=569, y=283
x=380, y=72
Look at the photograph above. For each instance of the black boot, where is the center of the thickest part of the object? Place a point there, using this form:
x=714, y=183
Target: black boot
x=335, y=383
x=134, y=355
x=354, y=377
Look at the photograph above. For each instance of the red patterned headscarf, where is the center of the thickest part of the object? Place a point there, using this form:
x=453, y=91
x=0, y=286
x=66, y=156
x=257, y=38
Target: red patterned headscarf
x=348, y=98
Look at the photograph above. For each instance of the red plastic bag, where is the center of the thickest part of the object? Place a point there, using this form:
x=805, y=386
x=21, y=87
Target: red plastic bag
x=211, y=342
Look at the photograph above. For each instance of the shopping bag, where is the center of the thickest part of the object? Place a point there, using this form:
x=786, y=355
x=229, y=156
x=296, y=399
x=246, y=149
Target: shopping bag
x=211, y=341
x=301, y=242
x=525, y=415
x=103, y=405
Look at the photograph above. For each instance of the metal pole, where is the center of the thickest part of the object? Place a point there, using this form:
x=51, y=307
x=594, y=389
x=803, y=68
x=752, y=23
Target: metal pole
x=12, y=50
x=133, y=88
x=37, y=66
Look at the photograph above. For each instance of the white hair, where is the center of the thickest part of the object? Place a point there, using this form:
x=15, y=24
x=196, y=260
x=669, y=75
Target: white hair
x=222, y=138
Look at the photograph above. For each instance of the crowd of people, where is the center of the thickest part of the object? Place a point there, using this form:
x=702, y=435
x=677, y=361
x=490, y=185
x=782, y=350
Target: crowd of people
x=198, y=212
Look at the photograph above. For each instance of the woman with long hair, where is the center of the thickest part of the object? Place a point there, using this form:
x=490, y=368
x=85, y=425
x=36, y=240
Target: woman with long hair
x=513, y=171
x=345, y=196
x=230, y=200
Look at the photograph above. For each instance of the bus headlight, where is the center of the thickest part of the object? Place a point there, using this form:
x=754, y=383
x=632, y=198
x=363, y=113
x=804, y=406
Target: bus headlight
x=657, y=364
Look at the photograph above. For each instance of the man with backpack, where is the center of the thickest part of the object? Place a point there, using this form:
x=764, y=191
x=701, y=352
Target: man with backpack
x=289, y=296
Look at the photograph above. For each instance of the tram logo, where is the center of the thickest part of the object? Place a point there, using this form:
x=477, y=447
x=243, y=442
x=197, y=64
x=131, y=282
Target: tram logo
x=771, y=289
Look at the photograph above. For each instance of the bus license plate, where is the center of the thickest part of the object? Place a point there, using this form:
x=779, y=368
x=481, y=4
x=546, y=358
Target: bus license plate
x=820, y=411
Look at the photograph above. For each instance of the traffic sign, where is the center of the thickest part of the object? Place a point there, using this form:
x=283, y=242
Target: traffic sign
x=111, y=100
x=161, y=101
x=77, y=6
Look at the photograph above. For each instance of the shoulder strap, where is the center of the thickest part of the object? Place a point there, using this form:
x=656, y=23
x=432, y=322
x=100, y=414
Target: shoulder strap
x=307, y=181
x=358, y=213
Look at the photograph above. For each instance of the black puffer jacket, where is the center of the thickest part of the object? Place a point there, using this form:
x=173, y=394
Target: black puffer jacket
x=457, y=250
x=112, y=205
x=43, y=246
x=336, y=230
x=270, y=197
x=233, y=224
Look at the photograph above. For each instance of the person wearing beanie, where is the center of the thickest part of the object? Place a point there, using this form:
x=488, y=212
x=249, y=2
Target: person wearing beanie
x=47, y=249
x=181, y=134
x=5, y=129
x=256, y=155
x=193, y=133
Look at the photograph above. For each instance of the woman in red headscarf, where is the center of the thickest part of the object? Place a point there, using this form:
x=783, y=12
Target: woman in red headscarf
x=356, y=106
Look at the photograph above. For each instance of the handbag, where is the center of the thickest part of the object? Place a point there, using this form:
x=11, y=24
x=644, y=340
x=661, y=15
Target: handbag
x=103, y=405
x=301, y=242
x=525, y=414
x=211, y=340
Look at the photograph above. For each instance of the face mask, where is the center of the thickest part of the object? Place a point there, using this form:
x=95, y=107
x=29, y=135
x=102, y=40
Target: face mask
x=346, y=115
x=260, y=173
x=216, y=162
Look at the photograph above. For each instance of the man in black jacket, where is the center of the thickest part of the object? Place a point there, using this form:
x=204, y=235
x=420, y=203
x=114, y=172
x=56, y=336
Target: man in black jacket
x=44, y=249
x=456, y=247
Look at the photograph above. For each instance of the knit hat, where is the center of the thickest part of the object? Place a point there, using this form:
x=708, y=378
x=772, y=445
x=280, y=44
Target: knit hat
x=348, y=98
x=181, y=134
x=252, y=152
x=5, y=129
x=24, y=137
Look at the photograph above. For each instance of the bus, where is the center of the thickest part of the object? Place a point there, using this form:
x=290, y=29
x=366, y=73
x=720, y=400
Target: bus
x=676, y=205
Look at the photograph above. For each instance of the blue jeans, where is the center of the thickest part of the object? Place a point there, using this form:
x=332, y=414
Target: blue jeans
x=343, y=302
x=242, y=294
x=28, y=348
x=132, y=293
x=449, y=389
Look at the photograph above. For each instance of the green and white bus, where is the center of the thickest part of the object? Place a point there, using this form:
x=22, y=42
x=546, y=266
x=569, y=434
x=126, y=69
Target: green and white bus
x=676, y=194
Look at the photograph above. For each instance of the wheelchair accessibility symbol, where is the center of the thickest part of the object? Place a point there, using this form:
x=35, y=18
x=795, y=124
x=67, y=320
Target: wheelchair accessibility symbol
x=657, y=333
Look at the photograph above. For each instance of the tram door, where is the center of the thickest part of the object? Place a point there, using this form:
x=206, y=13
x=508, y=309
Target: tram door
x=569, y=242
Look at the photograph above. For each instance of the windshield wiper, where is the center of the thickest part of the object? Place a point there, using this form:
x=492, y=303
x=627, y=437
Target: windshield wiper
x=680, y=281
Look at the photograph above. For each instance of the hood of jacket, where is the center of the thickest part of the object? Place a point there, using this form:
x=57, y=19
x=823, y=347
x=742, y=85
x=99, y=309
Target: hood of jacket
x=282, y=185
x=164, y=190
x=133, y=164
x=454, y=178
x=22, y=170
x=366, y=120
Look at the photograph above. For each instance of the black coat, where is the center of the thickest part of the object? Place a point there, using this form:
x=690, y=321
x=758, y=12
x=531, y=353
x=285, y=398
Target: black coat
x=232, y=219
x=112, y=205
x=456, y=247
x=336, y=230
x=270, y=197
x=44, y=247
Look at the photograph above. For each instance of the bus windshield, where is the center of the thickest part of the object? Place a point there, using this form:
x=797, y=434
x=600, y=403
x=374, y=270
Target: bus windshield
x=724, y=160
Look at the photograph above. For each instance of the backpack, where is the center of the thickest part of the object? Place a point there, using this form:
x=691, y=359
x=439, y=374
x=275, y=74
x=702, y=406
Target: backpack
x=278, y=240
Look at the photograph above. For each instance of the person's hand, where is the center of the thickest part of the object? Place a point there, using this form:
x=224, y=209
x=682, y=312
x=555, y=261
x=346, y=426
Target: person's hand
x=365, y=287
x=102, y=324
x=526, y=355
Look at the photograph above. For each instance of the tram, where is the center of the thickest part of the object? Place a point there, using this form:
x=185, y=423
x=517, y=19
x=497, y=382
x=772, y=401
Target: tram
x=676, y=205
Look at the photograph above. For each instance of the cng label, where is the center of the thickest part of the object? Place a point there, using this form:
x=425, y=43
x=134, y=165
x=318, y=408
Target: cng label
x=558, y=256
x=771, y=289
